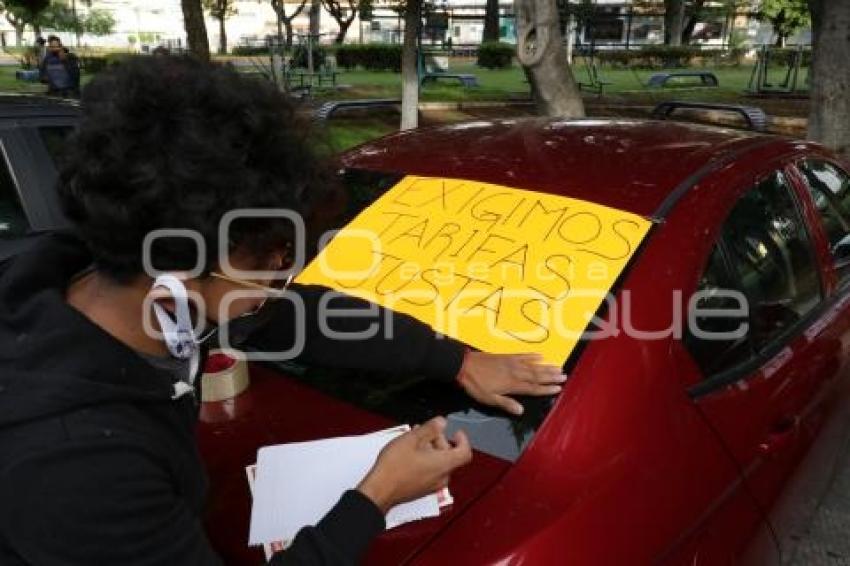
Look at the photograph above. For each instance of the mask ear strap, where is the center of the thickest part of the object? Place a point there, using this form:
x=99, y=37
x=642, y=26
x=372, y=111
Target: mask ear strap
x=178, y=331
x=181, y=298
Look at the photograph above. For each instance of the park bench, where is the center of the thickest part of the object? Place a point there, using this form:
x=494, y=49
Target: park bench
x=305, y=78
x=755, y=117
x=29, y=75
x=595, y=81
x=325, y=110
x=301, y=92
x=465, y=80
x=707, y=78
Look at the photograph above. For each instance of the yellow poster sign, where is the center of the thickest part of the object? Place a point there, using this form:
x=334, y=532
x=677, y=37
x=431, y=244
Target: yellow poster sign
x=504, y=270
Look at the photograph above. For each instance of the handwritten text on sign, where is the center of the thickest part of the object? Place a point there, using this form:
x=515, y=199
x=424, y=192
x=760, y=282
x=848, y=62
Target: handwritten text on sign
x=502, y=269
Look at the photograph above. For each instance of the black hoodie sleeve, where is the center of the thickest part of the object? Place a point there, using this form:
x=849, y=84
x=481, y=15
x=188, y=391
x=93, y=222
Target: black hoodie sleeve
x=327, y=328
x=340, y=537
x=104, y=502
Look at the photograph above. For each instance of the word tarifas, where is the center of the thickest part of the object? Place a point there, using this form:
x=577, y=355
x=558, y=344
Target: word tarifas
x=494, y=266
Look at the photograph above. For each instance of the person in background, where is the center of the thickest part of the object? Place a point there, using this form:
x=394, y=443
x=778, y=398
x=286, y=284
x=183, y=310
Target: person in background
x=60, y=70
x=40, y=50
x=98, y=462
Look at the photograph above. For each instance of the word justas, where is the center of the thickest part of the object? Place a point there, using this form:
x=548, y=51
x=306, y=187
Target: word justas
x=491, y=265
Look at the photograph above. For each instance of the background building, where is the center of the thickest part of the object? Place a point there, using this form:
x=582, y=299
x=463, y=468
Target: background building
x=144, y=24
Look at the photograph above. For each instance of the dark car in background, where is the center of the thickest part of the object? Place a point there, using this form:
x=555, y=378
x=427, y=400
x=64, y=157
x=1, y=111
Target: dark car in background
x=33, y=130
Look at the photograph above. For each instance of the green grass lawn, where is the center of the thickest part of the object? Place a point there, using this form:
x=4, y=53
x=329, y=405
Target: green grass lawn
x=343, y=133
x=506, y=84
x=495, y=85
x=627, y=87
x=8, y=82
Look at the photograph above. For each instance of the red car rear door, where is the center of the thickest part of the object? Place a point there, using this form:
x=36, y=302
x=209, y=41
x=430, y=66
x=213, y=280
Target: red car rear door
x=763, y=391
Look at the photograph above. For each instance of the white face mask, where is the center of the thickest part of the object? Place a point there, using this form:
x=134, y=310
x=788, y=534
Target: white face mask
x=178, y=330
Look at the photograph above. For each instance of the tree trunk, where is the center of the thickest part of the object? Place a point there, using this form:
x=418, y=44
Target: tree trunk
x=778, y=28
x=287, y=24
x=692, y=21
x=279, y=28
x=77, y=31
x=18, y=27
x=196, y=29
x=491, y=21
x=571, y=38
x=541, y=53
x=829, y=118
x=222, y=36
x=409, y=67
x=674, y=21
x=688, y=30
x=315, y=18
x=343, y=29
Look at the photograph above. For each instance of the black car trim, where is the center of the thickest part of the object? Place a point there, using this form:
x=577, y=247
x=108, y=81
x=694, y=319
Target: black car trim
x=783, y=340
x=44, y=172
x=685, y=186
x=33, y=208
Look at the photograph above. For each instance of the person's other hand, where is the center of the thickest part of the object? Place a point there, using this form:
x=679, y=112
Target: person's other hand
x=415, y=464
x=491, y=378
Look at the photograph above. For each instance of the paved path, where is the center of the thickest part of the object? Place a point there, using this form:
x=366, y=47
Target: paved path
x=828, y=541
x=8, y=60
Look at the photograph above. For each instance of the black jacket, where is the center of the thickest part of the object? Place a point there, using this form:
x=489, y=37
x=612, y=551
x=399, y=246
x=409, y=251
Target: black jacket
x=98, y=464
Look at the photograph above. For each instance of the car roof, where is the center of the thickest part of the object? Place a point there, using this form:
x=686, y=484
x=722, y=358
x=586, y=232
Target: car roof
x=36, y=106
x=632, y=165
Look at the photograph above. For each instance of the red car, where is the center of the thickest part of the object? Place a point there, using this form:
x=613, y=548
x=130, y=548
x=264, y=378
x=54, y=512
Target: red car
x=674, y=448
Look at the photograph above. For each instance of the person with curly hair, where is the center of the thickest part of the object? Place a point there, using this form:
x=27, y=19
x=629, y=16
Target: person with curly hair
x=97, y=457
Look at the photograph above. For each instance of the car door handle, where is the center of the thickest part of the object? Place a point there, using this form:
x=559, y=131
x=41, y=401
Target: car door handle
x=781, y=436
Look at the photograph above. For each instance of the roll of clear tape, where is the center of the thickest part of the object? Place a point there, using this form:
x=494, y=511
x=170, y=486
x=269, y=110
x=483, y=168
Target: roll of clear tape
x=228, y=382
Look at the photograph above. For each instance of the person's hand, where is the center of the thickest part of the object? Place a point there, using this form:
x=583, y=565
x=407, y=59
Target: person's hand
x=491, y=378
x=415, y=464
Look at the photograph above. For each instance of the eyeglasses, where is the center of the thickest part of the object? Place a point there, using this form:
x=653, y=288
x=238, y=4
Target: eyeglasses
x=274, y=291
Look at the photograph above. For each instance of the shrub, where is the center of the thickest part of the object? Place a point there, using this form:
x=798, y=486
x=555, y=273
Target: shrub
x=250, y=50
x=299, y=56
x=369, y=56
x=662, y=56
x=93, y=63
x=784, y=56
x=495, y=55
x=96, y=63
x=117, y=58
x=29, y=60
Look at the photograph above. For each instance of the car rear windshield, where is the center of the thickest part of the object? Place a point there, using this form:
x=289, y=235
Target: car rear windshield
x=413, y=398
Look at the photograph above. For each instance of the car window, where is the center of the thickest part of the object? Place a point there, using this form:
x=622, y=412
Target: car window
x=771, y=257
x=717, y=314
x=412, y=398
x=830, y=190
x=55, y=140
x=13, y=220
x=764, y=253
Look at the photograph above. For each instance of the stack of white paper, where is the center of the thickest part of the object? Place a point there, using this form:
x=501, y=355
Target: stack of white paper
x=295, y=485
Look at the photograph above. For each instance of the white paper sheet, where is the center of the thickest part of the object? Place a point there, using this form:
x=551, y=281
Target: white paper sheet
x=297, y=484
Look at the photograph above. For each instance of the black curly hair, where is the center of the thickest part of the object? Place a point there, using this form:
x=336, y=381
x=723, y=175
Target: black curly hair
x=175, y=143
